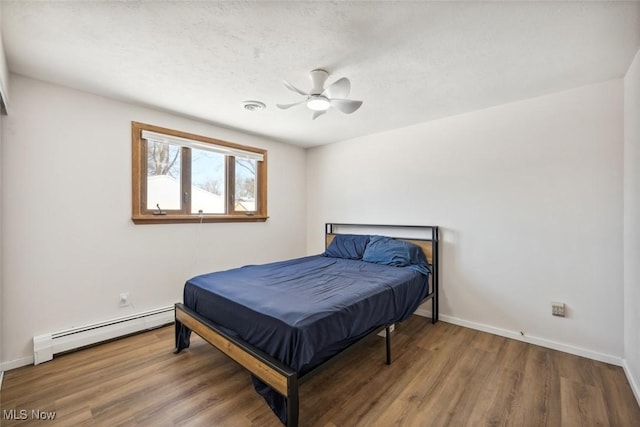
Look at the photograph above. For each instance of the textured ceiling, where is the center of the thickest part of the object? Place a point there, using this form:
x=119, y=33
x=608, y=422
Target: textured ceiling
x=410, y=62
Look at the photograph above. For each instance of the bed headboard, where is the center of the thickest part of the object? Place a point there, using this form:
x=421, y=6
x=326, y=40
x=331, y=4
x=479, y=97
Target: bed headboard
x=424, y=236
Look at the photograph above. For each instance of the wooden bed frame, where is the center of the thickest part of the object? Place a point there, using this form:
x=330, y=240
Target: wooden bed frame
x=273, y=372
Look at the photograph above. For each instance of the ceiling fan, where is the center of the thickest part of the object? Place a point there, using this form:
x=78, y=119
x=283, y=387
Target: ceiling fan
x=320, y=99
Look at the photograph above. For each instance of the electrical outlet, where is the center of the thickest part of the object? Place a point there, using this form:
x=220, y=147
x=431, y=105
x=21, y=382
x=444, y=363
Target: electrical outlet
x=124, y=299
x=557, y=309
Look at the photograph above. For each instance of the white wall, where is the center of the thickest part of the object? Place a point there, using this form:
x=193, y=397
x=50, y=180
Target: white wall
x=632, y=224
x=4, y=75
x=529, y=196
x=70, y=247
x=2, y=321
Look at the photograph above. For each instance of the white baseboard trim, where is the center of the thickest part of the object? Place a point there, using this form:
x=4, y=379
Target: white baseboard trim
x=1, y=378
x=632, y=380
x=543, y=342
x=17, y=363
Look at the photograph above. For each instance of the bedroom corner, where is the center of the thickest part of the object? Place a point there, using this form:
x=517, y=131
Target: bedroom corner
x=632, y=225
x=4, y=85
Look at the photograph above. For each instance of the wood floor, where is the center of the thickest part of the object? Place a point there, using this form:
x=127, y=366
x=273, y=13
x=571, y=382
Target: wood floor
x=442, y=375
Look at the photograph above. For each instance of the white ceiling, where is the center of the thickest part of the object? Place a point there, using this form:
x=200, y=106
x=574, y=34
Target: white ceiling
x=410, y=62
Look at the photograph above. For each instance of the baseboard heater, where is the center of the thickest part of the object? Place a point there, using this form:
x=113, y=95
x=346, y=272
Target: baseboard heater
x=45, y=346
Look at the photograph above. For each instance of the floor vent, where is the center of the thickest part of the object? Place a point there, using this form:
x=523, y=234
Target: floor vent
x=45, y=346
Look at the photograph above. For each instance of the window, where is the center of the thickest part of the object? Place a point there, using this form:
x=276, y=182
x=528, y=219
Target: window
x=181, y=177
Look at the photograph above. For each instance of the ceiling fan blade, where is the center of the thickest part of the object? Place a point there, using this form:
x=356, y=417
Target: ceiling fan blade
x=347, y=106
x=338, y=89
x=293, y=88
x=285, y=106
x=317, y=114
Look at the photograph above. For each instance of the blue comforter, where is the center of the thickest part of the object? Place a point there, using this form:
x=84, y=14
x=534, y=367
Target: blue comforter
x=305, y=310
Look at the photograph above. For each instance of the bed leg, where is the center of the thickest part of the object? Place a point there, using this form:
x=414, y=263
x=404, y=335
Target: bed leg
x=387, y=335
x=176, y=332
x=292, y=402
x=434, y=309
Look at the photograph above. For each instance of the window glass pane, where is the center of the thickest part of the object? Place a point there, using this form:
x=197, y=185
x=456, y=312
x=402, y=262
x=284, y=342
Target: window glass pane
x=163, y=176
x=246, y=190
x=208, y=186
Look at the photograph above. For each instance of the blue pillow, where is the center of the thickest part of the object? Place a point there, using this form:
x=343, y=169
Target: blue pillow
x=349, y=246
x=388, y=251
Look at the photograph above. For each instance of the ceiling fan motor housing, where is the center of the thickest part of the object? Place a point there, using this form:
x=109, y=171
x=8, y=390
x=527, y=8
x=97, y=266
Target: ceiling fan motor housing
x=318, y=79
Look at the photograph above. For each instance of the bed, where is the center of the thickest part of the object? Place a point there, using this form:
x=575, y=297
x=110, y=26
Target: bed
x=283, y=321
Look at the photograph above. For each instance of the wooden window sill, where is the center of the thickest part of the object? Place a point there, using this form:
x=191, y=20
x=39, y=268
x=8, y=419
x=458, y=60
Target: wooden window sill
x=182, y=219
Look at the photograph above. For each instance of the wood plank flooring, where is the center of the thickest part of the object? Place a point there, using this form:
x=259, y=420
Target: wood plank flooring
x=441, y=375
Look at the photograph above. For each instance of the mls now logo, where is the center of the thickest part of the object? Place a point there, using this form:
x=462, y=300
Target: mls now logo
x=23, y=414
